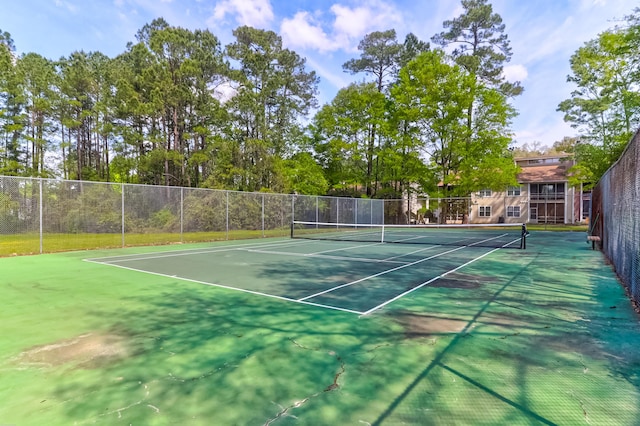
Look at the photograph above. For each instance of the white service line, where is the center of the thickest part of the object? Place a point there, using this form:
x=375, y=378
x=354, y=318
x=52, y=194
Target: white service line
x=324, y=256
x=257, y=293
x=381, y=273
x=345, y=248
x=432, y=280
x=397, y=268
x=189, y=252
x=412, y=252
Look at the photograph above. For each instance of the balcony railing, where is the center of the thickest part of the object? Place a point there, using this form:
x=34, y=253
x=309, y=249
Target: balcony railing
x=554, y=196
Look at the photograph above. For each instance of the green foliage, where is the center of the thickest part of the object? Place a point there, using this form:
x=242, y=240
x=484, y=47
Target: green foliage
x=481, y=46
x=343, y=136
x=172, y=110
x=434, y=97
x=164, y=220
x=9, y=214
x=205, y=212
x=605, y=106
x=380, y=56
x=304, y=175
x=275, y=91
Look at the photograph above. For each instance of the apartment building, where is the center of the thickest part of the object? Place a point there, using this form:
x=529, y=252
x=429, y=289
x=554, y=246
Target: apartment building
x=542, y=196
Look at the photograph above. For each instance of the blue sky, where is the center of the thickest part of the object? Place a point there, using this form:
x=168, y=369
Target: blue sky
x=543, y=34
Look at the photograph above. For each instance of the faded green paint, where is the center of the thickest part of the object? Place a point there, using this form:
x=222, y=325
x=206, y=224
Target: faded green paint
x=542, y=336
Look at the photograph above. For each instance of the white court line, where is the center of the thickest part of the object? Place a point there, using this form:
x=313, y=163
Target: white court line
x=189, y=252
x=355, y=259
x=412, y=252
x=346, y=248
x=303, y=301
x=397, y=268
x=257, y=293
x=382, y=273
x=433, y=279
x=189, y=249
x=325, y=256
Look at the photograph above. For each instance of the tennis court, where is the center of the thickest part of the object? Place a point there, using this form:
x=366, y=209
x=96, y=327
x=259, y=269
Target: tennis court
x=321, y=331
x=342, y=270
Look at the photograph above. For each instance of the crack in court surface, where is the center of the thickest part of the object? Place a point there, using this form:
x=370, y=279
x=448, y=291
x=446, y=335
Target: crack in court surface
x=285, y=411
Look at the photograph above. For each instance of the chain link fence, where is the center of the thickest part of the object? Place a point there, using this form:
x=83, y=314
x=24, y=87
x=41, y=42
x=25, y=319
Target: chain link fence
x=615, y=216
x=415, y=210
x=45, y=215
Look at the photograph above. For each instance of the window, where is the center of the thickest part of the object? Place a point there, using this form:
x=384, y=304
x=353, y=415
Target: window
x=513, y=211
x=484, y=193
x=513, y=191
x=484, y=211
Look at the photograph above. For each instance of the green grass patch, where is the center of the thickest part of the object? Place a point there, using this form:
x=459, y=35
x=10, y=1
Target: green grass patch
x=23, y=244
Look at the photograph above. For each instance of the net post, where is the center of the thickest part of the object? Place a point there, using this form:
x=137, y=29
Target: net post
x=382, y=234
x=523, y=237
x=291, y=229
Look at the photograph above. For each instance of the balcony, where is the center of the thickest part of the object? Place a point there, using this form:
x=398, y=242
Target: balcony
x=545, y=196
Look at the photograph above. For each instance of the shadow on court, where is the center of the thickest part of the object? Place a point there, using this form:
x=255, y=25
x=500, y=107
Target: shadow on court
x=545, y=336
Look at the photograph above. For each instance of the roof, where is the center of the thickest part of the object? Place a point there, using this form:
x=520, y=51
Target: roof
x=558, y=155
x=539, y=174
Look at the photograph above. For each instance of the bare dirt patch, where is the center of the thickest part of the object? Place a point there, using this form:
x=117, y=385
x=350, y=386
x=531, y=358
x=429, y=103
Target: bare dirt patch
x=89, y=350
x=463, y=281
x=416, y=325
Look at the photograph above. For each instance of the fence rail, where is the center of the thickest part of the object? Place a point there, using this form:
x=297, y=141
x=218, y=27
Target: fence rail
x=615, y=216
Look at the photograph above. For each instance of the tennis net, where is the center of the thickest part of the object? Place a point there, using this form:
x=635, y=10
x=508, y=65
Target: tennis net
x=478, y=235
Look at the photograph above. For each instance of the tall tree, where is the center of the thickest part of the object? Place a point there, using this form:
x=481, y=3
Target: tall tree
x=481, y=46
x=343, y=133
x=380, y=57
x=411, y=48
x=274, y=92
x=38, y=85
x=83, y=87
x=12, y=116
x=434, y=98
x=172, y=75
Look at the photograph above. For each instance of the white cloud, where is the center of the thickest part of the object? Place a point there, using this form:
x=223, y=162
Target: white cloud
x=254, y=13
x=303, y=32
x=356, y=22
x=552, y=130
x=308, y=30
x=351, y=22
x=515, y=73
x=225, y=91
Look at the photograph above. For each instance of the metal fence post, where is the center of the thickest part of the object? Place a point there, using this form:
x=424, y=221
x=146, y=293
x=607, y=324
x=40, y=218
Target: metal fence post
x=122, y=210
x=227, y=214
x=181, y=215
x=41, y=227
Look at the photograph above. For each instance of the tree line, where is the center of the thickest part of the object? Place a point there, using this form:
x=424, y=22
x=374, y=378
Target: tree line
x=605, y=106
x=179, y=109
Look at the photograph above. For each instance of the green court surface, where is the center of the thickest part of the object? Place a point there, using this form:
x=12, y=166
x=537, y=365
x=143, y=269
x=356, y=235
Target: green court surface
x=282, y=331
